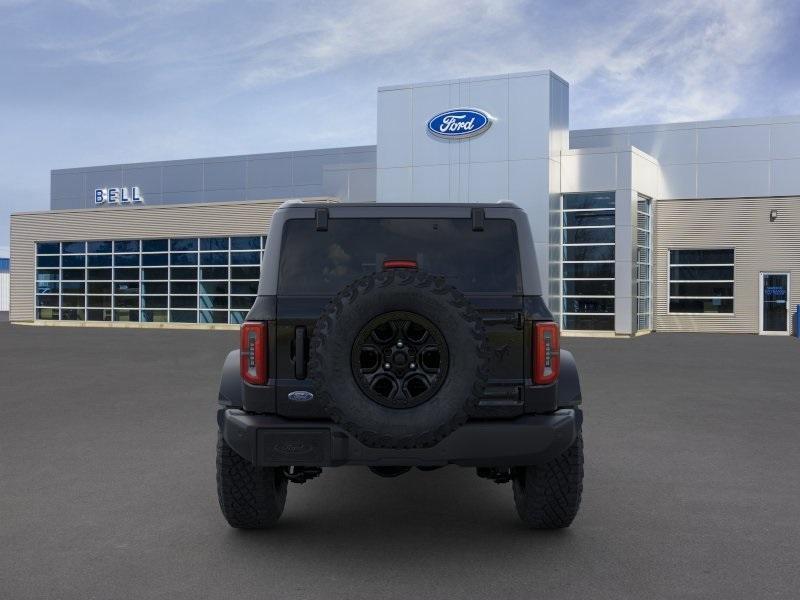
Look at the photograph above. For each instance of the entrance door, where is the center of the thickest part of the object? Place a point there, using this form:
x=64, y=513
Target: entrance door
x=774, y=296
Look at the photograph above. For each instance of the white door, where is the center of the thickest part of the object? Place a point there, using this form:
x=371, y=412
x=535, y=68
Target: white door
x=774, y=312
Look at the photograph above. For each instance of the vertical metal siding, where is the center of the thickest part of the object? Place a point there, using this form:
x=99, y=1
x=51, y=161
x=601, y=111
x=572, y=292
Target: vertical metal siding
x=741, y=224
x=223, y=219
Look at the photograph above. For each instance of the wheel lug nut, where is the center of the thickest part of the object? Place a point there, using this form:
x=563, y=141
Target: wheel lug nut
x=412, y=366
x=387, y=366
x=399, y=343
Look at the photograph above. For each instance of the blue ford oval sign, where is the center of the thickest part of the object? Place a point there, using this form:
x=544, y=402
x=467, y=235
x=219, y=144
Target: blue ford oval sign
x=460, y=123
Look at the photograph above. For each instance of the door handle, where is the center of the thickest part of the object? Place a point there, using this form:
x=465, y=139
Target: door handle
x=300, y=352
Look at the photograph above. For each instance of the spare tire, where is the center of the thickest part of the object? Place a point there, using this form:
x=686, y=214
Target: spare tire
x=397, y=357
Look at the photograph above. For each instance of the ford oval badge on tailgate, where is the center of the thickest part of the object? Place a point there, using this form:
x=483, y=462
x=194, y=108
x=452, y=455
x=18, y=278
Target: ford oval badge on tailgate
x=458, y=123
x=301, y=396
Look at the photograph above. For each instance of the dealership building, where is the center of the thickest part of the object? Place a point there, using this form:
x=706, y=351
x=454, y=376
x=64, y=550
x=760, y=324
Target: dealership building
x=672, y=227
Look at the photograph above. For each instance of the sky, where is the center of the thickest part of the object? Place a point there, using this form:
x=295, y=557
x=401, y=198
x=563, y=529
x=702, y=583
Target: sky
x=93, y=82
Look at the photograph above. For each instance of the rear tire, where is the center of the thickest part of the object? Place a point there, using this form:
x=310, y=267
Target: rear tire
x=250, y=497
x=548, y=496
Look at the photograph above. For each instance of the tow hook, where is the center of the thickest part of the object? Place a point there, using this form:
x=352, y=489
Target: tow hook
x=301, y=474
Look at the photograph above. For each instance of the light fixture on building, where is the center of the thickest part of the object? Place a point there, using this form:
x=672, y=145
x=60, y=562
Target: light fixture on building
x=773, y=215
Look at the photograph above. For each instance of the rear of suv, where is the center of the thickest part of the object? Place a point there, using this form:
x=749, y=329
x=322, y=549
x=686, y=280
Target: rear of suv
x=396, y=336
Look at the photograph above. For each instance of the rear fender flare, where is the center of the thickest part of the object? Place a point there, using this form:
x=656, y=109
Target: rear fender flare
x=569, y=384
x=230, y=386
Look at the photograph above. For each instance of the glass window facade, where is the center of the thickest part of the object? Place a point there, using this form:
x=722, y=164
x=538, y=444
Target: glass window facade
x=644, y=264
x=701, y=281
x=587, y=261
x=177, y=280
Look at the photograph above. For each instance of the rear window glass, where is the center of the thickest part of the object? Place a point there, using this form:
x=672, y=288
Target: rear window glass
x=323, y=262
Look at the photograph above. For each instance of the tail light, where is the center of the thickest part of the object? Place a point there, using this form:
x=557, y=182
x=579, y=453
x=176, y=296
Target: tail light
x=546, y=353
x=253, y=352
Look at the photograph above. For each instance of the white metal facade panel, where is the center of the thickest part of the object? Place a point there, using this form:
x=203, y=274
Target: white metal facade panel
x=4, y=291
x=785, y=176
x=712, y=159
x=742, y=224
x=394, y=131
x=733, y=144
x=644, y=175
x=529, y=137
x=589, y=172
x=678, y=181
x=785, y=140
x=733, y=179
x=668, y=147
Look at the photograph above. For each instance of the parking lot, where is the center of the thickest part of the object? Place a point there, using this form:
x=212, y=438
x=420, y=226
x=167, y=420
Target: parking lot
x=107, y=487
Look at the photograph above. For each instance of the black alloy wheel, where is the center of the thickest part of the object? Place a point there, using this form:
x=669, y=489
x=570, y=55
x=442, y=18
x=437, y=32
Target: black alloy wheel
x=400, y=359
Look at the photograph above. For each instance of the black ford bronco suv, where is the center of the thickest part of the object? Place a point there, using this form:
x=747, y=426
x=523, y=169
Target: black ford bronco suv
x=396, y=336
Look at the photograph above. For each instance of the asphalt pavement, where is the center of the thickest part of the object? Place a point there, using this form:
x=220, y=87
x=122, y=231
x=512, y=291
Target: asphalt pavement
x=107, y=489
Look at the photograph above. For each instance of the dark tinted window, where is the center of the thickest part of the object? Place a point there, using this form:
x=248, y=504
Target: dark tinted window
x=590, y=200
x=183, y=258
x=47, y=247
x=701, y=257
x=214, y=272
x=154, y=245
x=73, y=274
x=589, y=322
x=100, y=260
x=214, y=243
x=722, y=288
x=589, y=305
x=102, y=287
x=154, y=274
x=150, y=260
x=601, y=235
x=315, y=262
x=78, y=260
x=126, y=274
x=98, y=247
x=695, y=273
x=701, y=305
x=100, y=274
x=214, y=258
x=47, y=261
x=183, y=244
x=73, y=247
x=126, y=260
x=588, y=270
x=588, y=218
x=245, y=243
x=126, y=246
x=588, y=253
x=214, y=287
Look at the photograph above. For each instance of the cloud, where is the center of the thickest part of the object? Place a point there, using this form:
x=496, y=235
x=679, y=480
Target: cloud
x=323, y=39
x=627, y=60
x=688, y=61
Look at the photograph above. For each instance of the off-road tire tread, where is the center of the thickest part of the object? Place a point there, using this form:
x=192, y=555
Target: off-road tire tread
x=548, y=496
x=250, y=497
x=420, y=280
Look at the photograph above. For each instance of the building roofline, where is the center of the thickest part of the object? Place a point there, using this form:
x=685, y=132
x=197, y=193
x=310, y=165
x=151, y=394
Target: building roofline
x=219, y=159
x=104, y=208
x=687, y=125
x=401, y=86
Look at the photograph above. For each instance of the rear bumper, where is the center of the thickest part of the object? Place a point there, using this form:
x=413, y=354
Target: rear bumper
x=269, y=440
